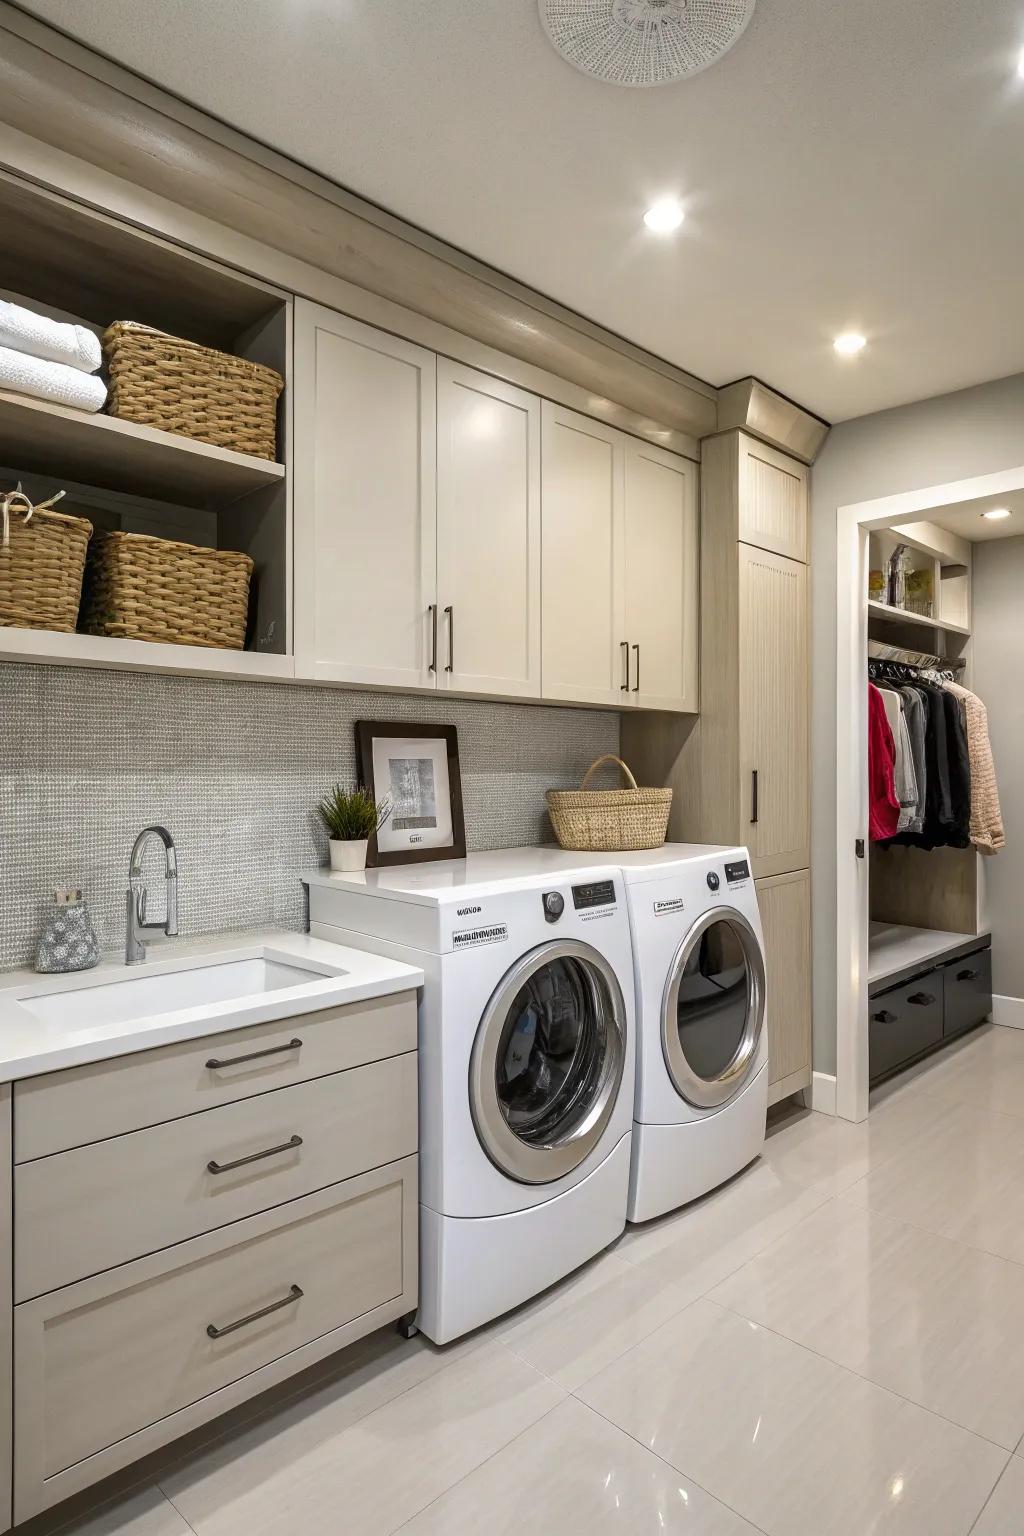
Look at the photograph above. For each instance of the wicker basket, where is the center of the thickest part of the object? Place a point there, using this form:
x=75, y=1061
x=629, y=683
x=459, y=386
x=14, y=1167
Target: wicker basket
x=609, y=820
x=163, y=381
x=142, y=588
x=42, y=557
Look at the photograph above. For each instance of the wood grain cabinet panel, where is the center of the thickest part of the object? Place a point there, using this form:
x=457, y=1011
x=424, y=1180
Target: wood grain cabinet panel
x=662, y=578
x=108, y=1098
x=773, y=499
x=88, y=1209
x=784, y=902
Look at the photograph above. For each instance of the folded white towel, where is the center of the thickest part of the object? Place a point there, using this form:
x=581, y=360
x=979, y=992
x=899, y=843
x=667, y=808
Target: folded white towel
x=25, y=331
x=50, y=381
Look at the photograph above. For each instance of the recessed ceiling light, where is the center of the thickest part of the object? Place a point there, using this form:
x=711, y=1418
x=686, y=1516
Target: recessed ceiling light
x=997, y=514
x=1020, y=64
x=665, y=215
x=850, y=343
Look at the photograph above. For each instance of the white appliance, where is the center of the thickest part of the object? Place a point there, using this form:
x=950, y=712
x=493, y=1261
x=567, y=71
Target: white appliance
x=527, y=1064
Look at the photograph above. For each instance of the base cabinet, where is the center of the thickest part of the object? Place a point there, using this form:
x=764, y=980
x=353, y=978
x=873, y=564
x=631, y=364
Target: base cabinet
x=923, y=1011
x=784, y=902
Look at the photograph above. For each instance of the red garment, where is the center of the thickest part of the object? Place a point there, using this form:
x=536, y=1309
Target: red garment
x=883, y=806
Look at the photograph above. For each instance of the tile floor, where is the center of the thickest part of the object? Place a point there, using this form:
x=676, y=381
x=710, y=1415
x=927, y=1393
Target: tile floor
x=832, y=1345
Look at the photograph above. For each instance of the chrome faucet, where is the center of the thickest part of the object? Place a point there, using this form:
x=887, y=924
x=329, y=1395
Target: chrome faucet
x=135, y=900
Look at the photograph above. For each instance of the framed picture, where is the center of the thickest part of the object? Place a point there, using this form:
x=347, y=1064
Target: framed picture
x=415, y=768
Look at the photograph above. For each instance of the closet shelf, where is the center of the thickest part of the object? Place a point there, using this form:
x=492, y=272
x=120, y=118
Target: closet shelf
x=888, y=614
x=895, y=952
x=121, y=456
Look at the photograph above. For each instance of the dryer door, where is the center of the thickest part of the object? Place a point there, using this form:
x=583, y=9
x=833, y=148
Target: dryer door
x=547, y=1062
x=713, y=1012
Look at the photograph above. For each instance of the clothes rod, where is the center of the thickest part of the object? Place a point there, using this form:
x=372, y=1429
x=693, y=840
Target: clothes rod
x=877, y=651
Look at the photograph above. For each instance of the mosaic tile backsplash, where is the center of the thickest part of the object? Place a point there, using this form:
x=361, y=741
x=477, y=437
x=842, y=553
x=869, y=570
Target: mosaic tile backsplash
x=233, y=770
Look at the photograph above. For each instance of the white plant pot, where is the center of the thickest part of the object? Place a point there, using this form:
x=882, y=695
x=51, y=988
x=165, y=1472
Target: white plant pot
x=348, y=856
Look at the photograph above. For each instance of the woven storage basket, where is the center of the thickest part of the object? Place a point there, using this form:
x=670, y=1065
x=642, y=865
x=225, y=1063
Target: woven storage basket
x=142, y=588
x=163, y=381
x=609, y=820
x=42, y=557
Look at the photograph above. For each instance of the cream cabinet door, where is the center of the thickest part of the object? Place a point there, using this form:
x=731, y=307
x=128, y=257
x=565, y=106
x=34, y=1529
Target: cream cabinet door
x=364, y=493
x=773, y=498
x=785, y=906
x=773, y=711
x=488, y=534
x=661, y=577
x=584, y=644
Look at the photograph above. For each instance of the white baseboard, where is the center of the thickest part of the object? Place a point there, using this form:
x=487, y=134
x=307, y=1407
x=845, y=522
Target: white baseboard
x=1008, y=1010
x=823, y=1090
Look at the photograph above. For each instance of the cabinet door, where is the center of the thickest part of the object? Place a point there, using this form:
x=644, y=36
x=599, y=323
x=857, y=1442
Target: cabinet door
x=582, y=605
x=773, y=711
x=661, y=577
x=488, y=534
x=365, y=473
x=773, y=493
x=785, y=905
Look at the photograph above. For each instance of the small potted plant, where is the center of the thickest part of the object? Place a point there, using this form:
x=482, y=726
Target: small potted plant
x=351, y=816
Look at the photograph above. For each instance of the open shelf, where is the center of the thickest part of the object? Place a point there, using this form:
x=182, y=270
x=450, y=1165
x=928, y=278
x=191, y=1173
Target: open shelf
x=890, y=615
x=121, y=456
x=49, y=645
x=896, y=951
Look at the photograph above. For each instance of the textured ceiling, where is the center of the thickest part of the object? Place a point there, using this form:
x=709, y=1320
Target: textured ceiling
x=850, y=164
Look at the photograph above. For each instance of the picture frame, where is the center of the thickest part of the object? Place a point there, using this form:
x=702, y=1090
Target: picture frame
x=416, y=769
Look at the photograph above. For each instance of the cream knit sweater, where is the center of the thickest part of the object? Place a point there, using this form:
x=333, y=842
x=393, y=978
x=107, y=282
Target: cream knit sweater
x=986, y=817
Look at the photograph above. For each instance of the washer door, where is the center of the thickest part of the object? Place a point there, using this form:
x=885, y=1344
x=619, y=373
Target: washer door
x=713, y=1012
x=547, y=1062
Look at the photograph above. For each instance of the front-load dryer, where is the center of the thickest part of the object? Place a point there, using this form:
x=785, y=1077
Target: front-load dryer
x=526, y=1064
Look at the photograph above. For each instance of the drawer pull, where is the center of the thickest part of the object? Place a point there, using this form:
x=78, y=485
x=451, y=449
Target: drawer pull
x=921, y=999
x=885, y=1017
x=254, y=1157
x=294, y=1295
x=272, y=1050
x=966, y=975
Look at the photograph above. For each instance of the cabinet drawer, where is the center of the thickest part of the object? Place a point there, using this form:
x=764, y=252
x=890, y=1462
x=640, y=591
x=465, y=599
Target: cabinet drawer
x=84, y=1104
x=112, y=1367
x=903, y=1022
x=968, y=983
x=85, y=1210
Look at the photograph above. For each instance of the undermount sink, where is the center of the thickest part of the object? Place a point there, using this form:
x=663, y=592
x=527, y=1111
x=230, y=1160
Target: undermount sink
x=137, y=998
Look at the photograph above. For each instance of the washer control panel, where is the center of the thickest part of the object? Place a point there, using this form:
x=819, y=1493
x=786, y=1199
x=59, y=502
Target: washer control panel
x=737, y=871
x=713, y=881
x=554, y=905
x=599, y=893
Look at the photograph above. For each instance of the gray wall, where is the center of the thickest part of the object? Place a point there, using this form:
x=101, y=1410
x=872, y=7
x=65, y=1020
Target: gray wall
x=973, y=432
x=233, y=769
x=998, y=676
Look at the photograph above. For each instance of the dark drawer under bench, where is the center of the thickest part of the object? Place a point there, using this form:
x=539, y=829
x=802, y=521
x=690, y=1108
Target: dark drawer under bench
x=942, y=1000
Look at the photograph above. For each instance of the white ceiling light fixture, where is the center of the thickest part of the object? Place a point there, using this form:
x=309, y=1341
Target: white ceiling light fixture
x=665, y=215
x=1020, y=65
x=997, y=514
x=644, y=42
x=850, y=343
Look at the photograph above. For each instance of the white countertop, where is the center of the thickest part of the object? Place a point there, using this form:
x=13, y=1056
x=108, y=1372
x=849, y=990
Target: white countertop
x=29, y=1046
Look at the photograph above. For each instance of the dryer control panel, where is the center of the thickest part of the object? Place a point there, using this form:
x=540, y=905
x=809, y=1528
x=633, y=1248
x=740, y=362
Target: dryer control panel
x=737, y=871
x=598, y=893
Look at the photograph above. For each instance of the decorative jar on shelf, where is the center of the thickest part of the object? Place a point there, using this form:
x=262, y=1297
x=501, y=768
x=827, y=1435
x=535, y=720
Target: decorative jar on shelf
x=348, y=853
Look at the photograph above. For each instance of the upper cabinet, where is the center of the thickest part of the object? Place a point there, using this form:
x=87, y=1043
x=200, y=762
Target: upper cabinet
x=620, y=587
x=455, y=533
x=488, y=534
x=772, y=499
x=365, y=509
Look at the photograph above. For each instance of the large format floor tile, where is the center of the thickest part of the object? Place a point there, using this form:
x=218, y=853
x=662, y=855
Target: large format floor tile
x=1003, y=1515
x=933, y=1320
x=371, y=1476
x=146, y=1513
x=827, y=1153
x=573, y=1474
x=794, y=1443
x=985, y=1069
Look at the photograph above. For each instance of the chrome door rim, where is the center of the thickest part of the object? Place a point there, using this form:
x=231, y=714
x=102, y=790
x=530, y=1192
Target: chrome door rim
x=711, y=1093
x=512, y=1156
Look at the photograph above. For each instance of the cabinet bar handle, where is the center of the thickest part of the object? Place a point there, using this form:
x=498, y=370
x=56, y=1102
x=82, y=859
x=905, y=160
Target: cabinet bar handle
x=921, y=999
x=272, y=1050
x=885, y=1017
x=449, y=614
x=432, y=610
x=753, y=797
x=254, y=1157
x=294, y=1295
x=966, y=975
x=636, y=685
x=624, y=648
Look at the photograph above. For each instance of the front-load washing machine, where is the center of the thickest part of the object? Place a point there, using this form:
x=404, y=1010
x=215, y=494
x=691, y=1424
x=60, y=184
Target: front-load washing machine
x=526, y=1064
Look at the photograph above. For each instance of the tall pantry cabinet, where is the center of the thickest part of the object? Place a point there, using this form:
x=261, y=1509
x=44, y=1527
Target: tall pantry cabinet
x=741, y=771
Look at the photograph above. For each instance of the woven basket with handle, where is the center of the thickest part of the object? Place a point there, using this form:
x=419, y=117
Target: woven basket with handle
x=42, y=557
x=164, y=381
x=142, y=588
x=609, y=820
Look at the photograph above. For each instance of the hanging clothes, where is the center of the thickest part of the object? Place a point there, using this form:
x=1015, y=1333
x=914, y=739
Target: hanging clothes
x=883, y=807
x=986, y=821
x=915, y=713
x=905, y=776
x=958, y=834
